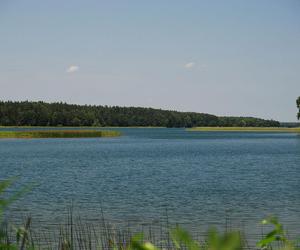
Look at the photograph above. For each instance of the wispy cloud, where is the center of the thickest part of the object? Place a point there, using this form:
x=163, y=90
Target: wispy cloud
x=72, y=69
x=189, y=65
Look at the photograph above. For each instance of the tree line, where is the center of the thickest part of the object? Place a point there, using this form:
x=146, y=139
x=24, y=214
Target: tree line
x=27, y=113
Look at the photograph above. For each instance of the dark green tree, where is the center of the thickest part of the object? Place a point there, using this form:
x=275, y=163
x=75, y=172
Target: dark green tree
x=62, y=114
x=298, y=105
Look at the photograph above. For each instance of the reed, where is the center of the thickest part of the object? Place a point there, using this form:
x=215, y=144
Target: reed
x=245, y=129
x=59, y=134
x=77, y=234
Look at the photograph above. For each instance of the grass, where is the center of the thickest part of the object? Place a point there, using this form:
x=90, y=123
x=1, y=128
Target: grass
x=58, y=134
x=246, y=129
x=76, y=234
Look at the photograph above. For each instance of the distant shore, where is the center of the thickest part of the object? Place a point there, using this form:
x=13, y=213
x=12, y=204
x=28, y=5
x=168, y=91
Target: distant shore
x=204, y=129
x=245, y=129
x=75, y=127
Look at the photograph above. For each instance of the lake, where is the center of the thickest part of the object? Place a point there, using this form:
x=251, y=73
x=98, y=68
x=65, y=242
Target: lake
x=199, y=178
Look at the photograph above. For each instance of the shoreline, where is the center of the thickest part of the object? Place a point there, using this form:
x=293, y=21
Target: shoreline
x=92, y=127
x=192, y=129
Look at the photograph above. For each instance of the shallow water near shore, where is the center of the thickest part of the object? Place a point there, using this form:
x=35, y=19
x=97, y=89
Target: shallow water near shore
x=200, y=178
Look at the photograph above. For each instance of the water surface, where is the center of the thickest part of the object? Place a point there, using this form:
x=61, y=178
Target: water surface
x=201, y=178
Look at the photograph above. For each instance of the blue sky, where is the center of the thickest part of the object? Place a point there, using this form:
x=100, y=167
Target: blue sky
x=238, y=58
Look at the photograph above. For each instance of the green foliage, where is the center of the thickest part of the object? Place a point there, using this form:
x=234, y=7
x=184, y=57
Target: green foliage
x=278, y=234
x=227, y=241
x=137, y=243
x=232, y=240
x=181, y=238
x=213, y=241
x=246, y=122
x=21, y=233
x=58, y=134
x=62, y=114
x=6, y=201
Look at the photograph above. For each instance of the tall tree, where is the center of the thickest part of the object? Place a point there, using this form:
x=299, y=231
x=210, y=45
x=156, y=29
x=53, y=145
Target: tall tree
x=298, y=105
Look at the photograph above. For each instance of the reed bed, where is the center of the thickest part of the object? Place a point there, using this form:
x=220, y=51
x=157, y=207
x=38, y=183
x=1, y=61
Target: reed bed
x=245, y=129
x=76, y=233
x=59, y=134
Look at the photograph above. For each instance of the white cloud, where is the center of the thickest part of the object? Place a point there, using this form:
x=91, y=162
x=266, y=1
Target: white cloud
x=189, y=65
x=72, y=69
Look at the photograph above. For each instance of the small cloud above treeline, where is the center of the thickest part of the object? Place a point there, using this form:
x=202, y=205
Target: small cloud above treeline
x=72, y=69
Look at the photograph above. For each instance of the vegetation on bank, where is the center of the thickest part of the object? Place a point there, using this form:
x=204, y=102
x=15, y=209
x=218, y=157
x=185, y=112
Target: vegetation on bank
x=75, y=234
x=246, y=129
x=290, y=124
x=58, y=134
x=62, y=114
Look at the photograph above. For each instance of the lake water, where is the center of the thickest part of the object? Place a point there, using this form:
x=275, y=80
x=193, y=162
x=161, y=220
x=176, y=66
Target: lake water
x=201, y=178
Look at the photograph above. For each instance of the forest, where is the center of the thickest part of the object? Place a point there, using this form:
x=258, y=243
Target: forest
x=26, y=113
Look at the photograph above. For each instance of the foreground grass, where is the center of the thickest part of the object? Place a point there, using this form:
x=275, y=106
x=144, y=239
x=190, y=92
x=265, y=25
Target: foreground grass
x=246, y=129
x=58, y=134
x=76, y=234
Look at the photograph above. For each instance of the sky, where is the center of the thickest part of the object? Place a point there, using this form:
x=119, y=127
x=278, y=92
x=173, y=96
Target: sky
x=235, y=57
